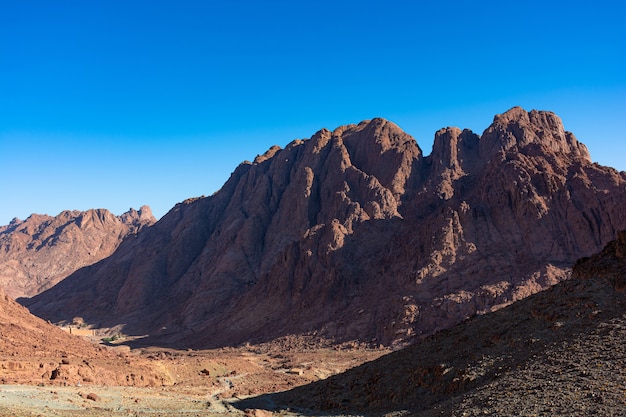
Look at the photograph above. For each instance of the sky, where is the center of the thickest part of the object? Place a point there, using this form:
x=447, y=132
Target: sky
x=117, y=104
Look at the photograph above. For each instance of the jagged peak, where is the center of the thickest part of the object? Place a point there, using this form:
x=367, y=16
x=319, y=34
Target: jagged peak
x=320, y=139
x=512, y=114
x=145, y=210
x=382, y=133
x=268, y=154
x=143, y=214
x=517, y=128
x=322, y=133
x=454, y=149
x=457, y=151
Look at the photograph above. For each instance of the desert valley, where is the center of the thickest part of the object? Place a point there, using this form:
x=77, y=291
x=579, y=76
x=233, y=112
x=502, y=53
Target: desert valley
x=344, y=274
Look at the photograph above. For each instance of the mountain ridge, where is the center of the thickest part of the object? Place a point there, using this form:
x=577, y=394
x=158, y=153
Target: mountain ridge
x=353, y=236
x=40, y=251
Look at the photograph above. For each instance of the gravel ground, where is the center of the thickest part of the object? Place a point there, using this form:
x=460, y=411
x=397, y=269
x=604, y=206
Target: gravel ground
x=581, y=377
x=206, y=383
x=24, y=400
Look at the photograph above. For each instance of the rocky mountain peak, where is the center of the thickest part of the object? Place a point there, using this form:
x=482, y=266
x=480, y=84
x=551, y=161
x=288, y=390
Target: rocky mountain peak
x=267, y=155
x=40, y=251
x=455, y=151
x=517, y=128
x=138, y=218
x=353, y=235
x=382, y=149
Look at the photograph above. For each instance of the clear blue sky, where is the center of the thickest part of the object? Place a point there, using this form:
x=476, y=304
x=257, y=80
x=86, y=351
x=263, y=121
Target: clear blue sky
x=116, y=104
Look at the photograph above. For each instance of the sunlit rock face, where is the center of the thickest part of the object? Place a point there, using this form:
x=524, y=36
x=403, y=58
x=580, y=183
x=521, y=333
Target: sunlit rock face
x=40, y=251
x=354, y=236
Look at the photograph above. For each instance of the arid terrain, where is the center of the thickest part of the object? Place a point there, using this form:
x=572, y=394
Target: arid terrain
x=196, y=383
x=40, y=251
x=354, y=236
x=346, y=274
x=45, y=370
x=77, y=376
x=559, y=352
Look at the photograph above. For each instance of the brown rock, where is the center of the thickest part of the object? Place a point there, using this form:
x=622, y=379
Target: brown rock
x=93, y=397
x=90, y=396
x=55, y=373
x=355, y=236
x=257, y=412
x=541, y=353
x=27, y=343
x=518, y=128
x=37, y=253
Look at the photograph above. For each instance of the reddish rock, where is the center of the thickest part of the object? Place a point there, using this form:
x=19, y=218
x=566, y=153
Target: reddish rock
x=257, y=412
x=28, y=344
x=40, y=251
x=93, y=397
x=355, y=236
x=515, y=361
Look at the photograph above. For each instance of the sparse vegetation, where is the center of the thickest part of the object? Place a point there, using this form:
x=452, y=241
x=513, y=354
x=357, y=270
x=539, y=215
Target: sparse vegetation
x=111, y=339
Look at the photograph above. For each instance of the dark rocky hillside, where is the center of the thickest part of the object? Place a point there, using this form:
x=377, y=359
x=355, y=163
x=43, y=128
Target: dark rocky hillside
x=559, y=352
x=353, y=236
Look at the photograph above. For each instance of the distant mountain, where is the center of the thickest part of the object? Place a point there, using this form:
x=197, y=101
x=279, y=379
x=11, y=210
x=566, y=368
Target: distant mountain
x=40, y=251
x=559, y=352
x=354, y=236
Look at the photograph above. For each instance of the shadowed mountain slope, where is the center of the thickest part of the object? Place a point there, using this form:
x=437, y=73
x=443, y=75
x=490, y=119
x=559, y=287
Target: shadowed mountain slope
x=559, y=352
x=353, y=236
x=40, y=251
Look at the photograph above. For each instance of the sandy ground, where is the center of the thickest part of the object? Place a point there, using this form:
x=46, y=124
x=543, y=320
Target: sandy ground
x=25, y=400
x=200, y=383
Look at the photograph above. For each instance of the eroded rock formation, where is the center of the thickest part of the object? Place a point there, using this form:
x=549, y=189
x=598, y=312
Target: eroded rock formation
x=558, y=352
x=40, y=251
x=355, y=236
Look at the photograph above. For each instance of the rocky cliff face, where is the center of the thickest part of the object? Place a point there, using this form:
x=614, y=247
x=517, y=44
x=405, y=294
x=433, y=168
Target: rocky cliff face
x=355, y=236
x=568, y=359
x=40, y=251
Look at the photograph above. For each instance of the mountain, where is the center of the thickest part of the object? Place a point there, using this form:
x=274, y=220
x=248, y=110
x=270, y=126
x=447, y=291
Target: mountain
x=354, y=236
x=40, y=251
x=559, y=352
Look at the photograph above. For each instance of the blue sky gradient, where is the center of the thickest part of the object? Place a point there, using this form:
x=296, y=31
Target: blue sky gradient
x=116, y=104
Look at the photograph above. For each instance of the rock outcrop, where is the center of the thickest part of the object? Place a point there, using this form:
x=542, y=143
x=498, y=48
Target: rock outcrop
x=559, y=352
x=40, y=251
x=354, y=236
x=35, y=352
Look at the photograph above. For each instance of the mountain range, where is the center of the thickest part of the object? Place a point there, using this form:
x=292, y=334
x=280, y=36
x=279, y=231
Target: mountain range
x=355, y=237
x=40, y=251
